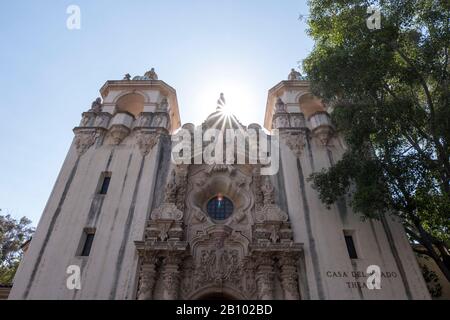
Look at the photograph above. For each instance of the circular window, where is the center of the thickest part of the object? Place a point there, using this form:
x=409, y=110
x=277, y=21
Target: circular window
x=220, y=208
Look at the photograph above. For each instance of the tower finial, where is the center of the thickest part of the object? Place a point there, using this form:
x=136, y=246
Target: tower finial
x=221, y=102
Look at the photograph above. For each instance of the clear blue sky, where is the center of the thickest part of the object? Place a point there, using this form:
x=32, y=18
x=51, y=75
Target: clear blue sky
x=50, y=75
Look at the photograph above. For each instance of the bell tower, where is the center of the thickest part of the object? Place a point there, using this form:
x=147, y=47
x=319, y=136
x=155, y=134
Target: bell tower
x=108, y=185
x=338, y=245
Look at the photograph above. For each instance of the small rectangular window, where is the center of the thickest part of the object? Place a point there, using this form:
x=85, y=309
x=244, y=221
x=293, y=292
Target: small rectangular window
x=88, y=240
x=105, y=180
x=351, y=248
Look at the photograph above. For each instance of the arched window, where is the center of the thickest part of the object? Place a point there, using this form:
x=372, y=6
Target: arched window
x=220, y=208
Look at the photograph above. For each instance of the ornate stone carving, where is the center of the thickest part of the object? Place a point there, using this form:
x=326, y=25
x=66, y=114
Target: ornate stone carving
x=264, y=276
x=281, y=121
x=298, y=121
x=146, y=280
x=102, y=120
x=146, y=141
x=289, y=277
x=170, y=275
x=259, y=198
x=87, y=119
x=268, y=190
x=84, y=139
x=219, y=168
x=166, y=220
x=171, y=187
x=323, y=135
x=269, y=211
x=118, y=133
x=218, y=266
x=144, y=120
x=181, y=182
x=296, y=142
x=167, y=211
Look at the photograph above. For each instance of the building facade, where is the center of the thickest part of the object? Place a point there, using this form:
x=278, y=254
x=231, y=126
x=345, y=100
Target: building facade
x=125, y=221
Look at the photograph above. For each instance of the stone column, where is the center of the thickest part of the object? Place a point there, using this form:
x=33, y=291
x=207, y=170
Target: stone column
x=289, y=278
x=265, y=278
x=147, y=279
x=171, y=277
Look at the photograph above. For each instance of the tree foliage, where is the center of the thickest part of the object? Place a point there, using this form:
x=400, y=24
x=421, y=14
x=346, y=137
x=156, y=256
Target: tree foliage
x=13, y=234
x=389, y=92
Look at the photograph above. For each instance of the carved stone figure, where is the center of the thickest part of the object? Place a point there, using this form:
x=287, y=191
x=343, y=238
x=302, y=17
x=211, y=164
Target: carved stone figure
x=268, y=190
x=294, y=75
x=127, y=77
x=96, y=106
x=280, y=106
x=151, y=74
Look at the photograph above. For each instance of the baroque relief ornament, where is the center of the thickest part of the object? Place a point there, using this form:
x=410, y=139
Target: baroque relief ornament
x=146, y=141
x=269, y=211
x=84, y=139
x=295, y=142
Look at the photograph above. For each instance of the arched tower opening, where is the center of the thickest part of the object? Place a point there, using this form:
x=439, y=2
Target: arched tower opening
x=132, y=103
